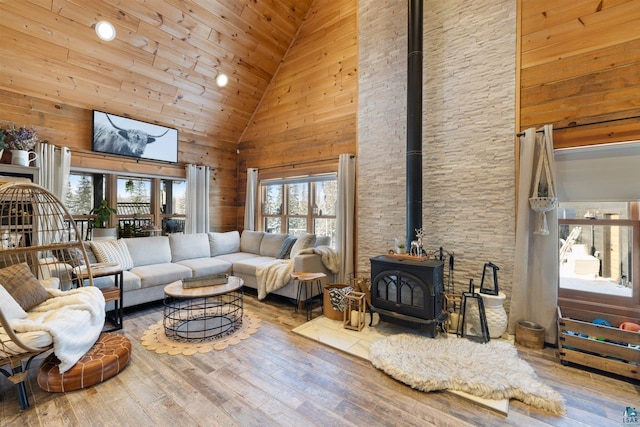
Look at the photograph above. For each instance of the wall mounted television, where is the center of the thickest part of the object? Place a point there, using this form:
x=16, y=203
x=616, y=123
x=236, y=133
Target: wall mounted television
x=113, y=134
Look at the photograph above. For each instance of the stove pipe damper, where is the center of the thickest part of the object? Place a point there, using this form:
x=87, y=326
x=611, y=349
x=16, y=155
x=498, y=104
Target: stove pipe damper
x=414, y=121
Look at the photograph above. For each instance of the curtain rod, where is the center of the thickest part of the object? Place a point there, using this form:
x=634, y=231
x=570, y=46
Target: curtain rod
x=588, y=124
x=294, y=165
x=519, y=134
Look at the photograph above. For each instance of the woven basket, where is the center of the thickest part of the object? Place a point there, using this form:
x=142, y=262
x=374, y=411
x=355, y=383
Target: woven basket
x=328, y=310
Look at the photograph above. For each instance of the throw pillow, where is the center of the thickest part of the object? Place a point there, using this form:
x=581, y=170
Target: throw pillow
x=113, y=251
x=74, y=257
x=23, y=286
x=305, y=241
x=285, y=249
x=10, y=308
x=90, y=255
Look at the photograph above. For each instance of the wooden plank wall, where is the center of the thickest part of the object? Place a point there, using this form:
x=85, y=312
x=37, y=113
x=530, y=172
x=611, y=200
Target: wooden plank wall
x=67, y=125
x=307, y=117
x=580, y=69
x=161, y=68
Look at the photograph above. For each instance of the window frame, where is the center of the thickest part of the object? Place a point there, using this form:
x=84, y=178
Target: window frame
x=105, y=187
x=605, y=303
x=311, y=215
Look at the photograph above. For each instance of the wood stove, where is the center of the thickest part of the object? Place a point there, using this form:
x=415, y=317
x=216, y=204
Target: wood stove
x=408, y=292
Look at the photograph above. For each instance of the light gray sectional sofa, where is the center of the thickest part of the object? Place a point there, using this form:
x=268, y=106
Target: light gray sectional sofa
x=157, y=261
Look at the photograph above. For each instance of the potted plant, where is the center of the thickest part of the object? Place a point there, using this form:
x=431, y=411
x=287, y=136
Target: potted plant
x=99, y=227
x=401, y=248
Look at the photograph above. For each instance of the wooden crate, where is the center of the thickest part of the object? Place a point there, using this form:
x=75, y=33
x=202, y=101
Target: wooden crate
x=606, y=348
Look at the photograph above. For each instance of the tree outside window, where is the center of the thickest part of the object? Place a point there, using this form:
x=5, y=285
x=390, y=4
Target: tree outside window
x=304, y=205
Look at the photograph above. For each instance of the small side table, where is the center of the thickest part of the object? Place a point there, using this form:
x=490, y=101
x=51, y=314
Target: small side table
x=111, y=293
x=306, y=281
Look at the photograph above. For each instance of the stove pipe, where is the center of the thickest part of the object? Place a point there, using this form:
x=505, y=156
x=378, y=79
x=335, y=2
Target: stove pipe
x=414, y=120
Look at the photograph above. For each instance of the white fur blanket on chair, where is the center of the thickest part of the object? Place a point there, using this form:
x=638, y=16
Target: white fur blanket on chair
x=73, y=318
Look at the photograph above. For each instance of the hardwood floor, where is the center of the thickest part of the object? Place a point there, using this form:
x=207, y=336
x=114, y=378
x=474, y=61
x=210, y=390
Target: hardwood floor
x=279, y=378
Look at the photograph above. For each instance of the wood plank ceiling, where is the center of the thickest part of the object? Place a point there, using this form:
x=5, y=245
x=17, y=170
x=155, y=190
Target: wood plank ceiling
x=163, y=62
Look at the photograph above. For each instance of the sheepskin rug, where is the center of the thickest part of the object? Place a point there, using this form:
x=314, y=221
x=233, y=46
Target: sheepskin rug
x=491, y=371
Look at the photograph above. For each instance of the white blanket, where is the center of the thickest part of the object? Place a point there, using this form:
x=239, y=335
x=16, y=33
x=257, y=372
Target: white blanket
x=329, y=256
x=74, y=319
x=274, y=275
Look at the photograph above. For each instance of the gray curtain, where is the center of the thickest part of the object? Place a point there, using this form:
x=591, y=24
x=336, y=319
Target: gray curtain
x=197, y=209
x=251, y=199
x=534, y=292
x=345, y=221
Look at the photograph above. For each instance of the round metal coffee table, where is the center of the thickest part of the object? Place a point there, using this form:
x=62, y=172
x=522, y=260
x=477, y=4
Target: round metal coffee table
x=203, y=313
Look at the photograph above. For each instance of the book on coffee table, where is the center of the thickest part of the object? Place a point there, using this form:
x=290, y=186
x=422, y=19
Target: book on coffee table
x=210, y=280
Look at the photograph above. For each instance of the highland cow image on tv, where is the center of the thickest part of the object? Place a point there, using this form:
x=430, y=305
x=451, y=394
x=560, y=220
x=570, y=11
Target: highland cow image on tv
x=122, y=136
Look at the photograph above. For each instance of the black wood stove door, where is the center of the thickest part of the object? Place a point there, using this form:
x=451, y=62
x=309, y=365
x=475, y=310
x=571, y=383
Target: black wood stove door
x=410, y=288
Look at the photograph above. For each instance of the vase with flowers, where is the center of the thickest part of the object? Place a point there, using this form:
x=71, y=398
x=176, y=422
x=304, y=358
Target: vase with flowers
x=21, y=141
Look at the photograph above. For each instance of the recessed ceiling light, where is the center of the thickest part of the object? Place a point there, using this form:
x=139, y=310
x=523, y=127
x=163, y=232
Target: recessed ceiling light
x=106, y=31
x=222, y=80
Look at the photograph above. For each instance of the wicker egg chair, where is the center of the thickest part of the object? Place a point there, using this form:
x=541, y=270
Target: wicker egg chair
x=36, y=229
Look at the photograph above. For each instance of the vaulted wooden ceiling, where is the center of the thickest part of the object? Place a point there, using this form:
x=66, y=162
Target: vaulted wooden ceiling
x=163, y=62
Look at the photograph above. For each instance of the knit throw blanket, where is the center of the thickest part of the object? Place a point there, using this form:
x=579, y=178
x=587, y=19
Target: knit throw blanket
x=274, y=275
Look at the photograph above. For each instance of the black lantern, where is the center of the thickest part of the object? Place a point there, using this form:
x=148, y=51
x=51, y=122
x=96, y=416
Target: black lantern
x=474, y=319
x=489, y=284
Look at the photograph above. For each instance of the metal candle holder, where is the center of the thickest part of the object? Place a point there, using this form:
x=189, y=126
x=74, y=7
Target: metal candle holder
x=489, y=283
x=472, y=306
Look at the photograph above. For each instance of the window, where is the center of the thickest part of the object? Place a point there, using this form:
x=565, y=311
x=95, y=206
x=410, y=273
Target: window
x=599, y=227
x=80, y=193
x=175, y=192
x=142, y=202
x=134, y=196
x=599, y=251
x=295, y=206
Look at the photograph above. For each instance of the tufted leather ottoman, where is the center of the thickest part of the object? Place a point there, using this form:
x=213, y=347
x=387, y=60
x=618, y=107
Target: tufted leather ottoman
x=108, y=356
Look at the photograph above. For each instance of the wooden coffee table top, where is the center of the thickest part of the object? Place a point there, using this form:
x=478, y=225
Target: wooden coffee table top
x=176, y=290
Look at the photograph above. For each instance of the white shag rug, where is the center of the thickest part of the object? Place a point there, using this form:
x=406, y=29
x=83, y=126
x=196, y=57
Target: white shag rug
x=491, y=371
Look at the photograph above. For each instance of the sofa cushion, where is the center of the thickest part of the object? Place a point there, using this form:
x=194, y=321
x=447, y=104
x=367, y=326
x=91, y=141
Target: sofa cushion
x=249, y=265
x=250, y=241
x=238, y=256
x=285, y=249
x=149, y=250
x=130, y=281
x=115, y=251
x=271, y=244
x=224, y=243
x=189, y=246
x=160, y=274
x=205, y=266
x=304, y=241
